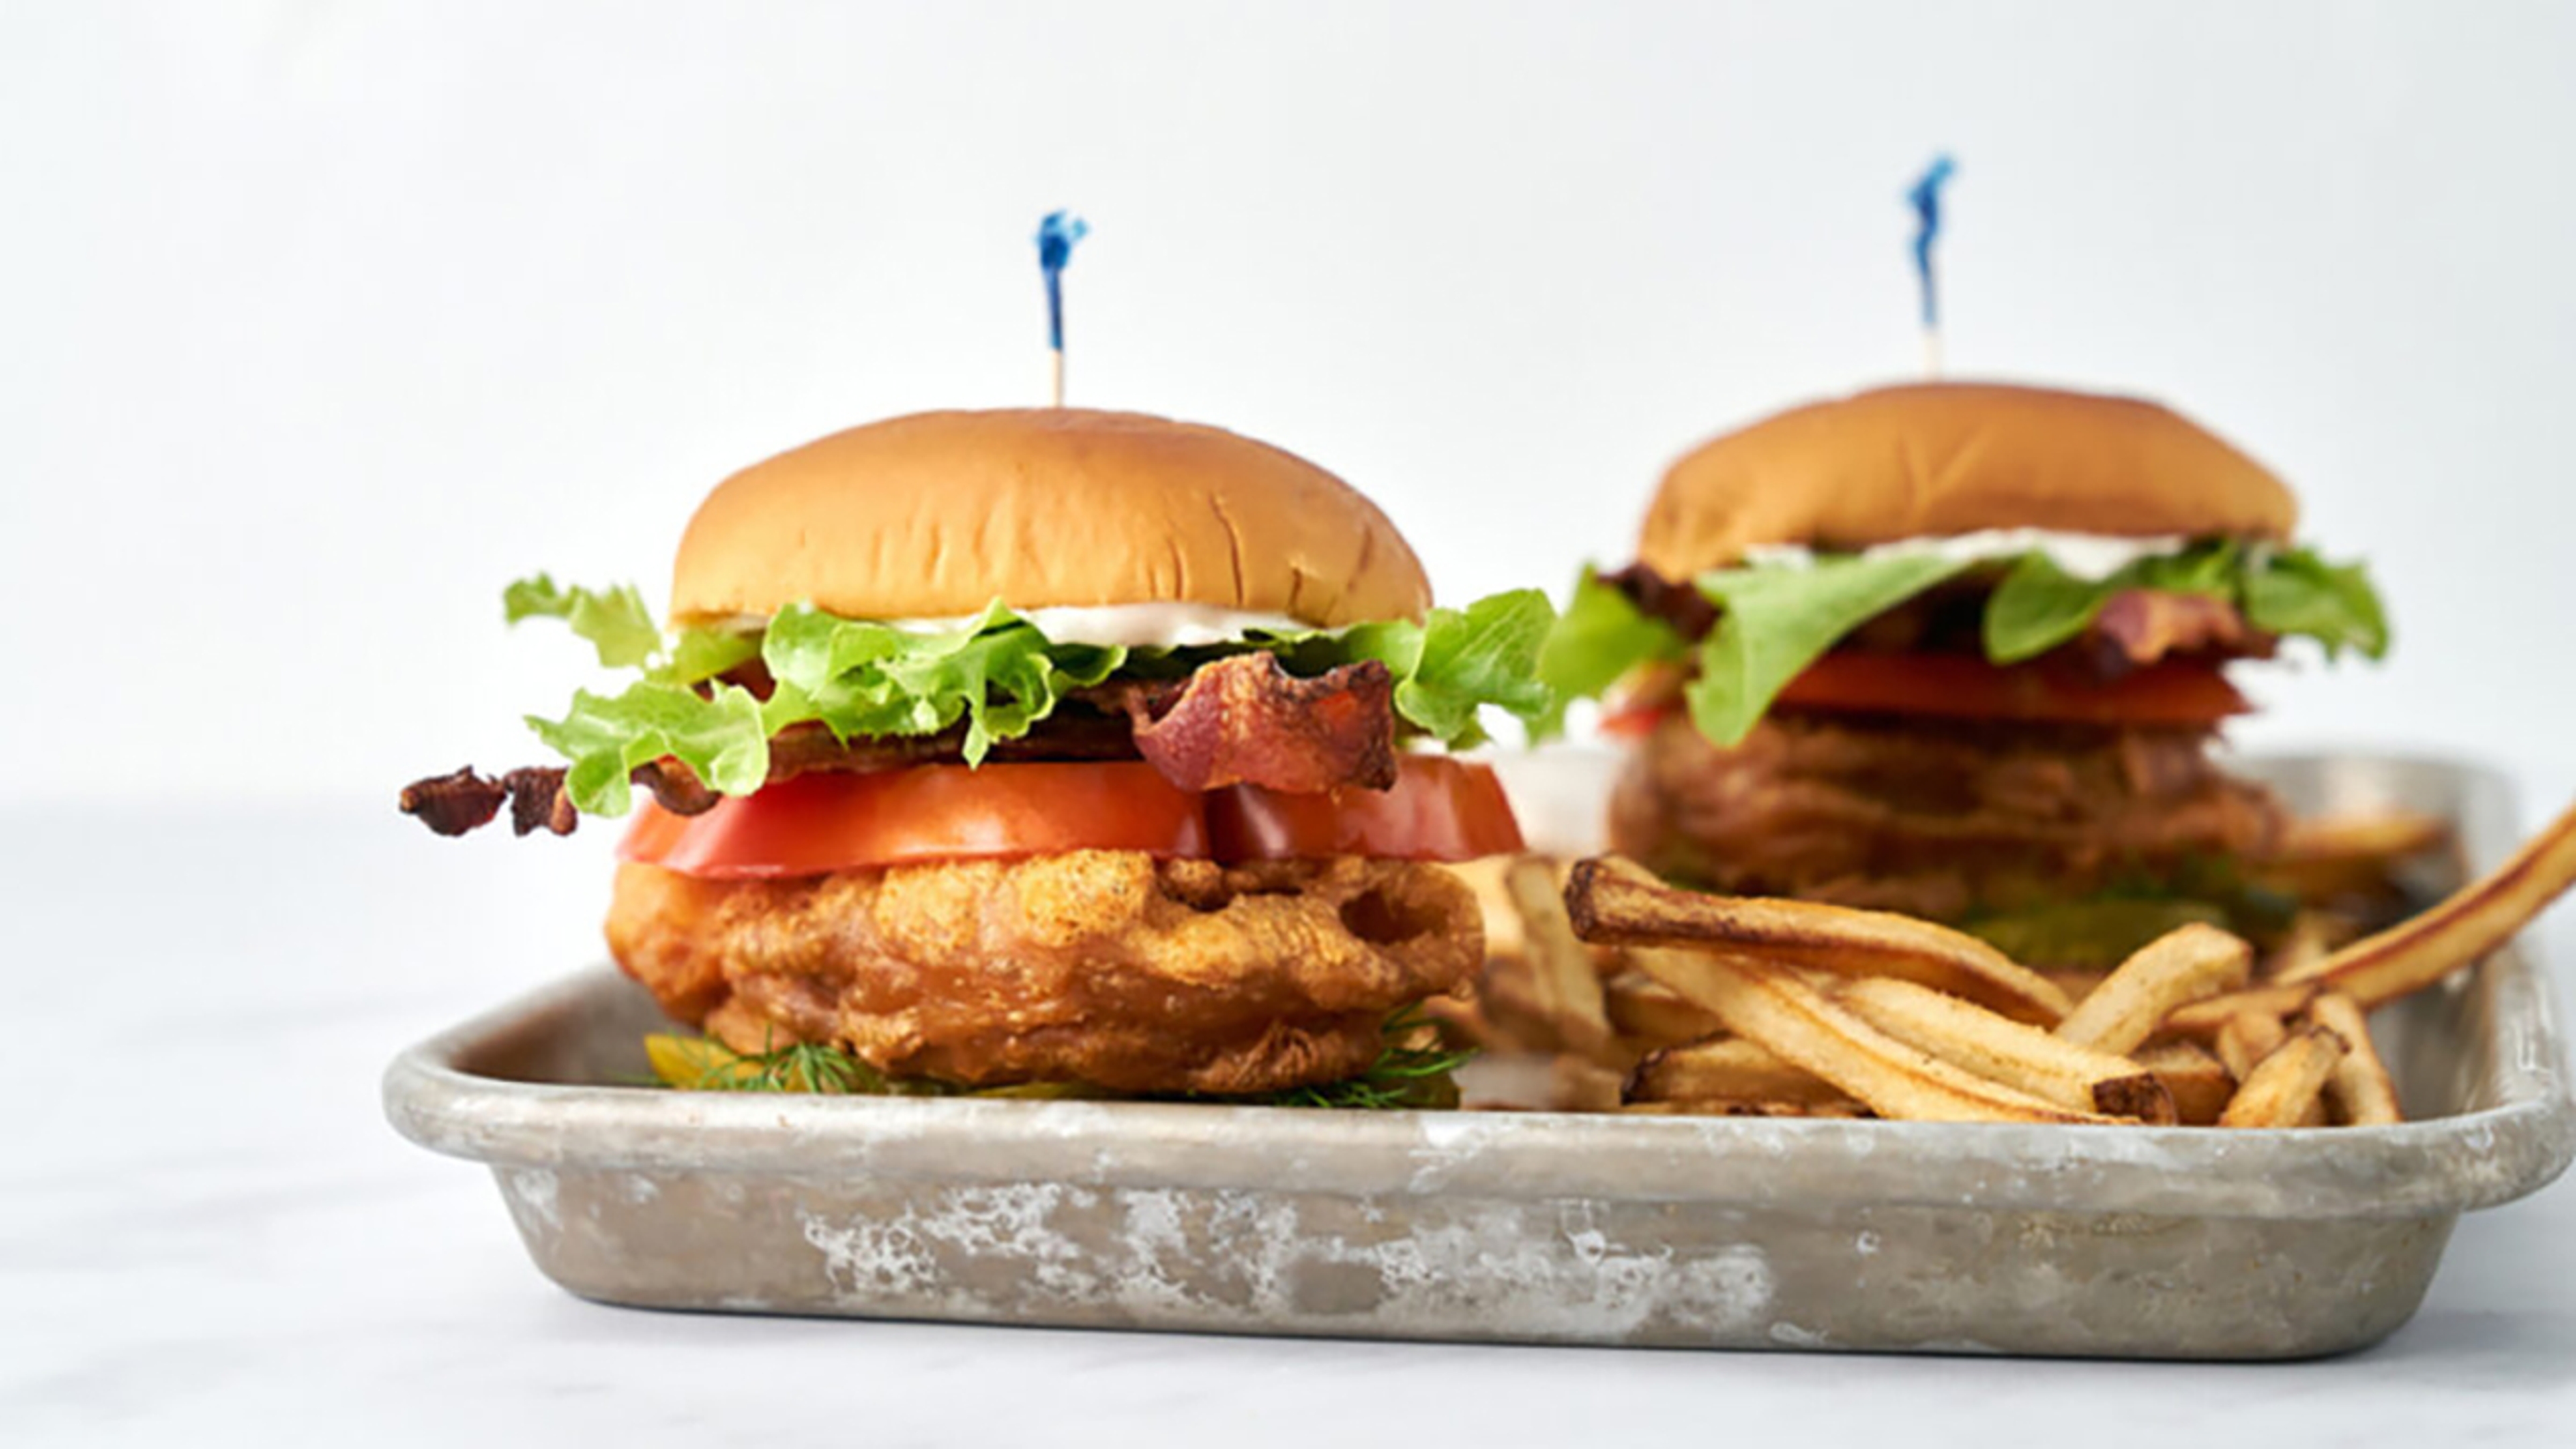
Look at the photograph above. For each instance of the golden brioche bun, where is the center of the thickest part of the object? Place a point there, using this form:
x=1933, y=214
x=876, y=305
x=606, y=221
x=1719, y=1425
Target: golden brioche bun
x=938, y=514
x=1946, y=458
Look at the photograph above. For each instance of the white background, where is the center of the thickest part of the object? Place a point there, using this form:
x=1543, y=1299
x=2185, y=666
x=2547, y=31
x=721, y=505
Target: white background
x=323, y=320
x=319, y=321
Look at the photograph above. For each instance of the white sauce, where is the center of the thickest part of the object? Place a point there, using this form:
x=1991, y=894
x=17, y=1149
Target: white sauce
x=2091, y=556
x=1132, y=626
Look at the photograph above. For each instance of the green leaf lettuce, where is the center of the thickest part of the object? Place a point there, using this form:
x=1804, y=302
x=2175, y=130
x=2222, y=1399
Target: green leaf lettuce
x=2334, y=604
x=861, y=679
x=1601, y=636
x=1457, y=661
x=614, y=621
x=1776, y=619
x=998, y=675
x=606, y=736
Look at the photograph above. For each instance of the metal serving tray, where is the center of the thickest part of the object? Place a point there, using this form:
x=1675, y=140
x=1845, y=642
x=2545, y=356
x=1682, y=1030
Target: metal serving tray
x=1710, y=1232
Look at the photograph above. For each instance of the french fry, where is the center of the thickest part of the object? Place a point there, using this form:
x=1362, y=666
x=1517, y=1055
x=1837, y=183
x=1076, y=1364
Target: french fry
x=1727, y=1069
x=2198, y=1082
x=1649, y=1013
x=2287, y=1083
x=1577, y=1085
x=2179, y=967
x=1484, y=876
x=2361, y=835
x=1460, y=1016
x=1500, y=1011
x=2200, y=1020
x=2303, y=949
x=1772, y=1004
x=1616, y=901
x=2077, y=981
x=2329, y=854
x=2246, y=1039
x=2014, y=1053
x=2467, y=925
x=1509, y=1009
x=2362, y=1093
x=1565, y=987
x=1511, y=1079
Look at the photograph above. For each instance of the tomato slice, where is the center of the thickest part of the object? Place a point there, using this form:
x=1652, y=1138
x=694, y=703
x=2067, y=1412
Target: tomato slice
x=1965, y=687
x=1440, y=809
x=817, y=823
x=1636, y=721
x=1641, y=701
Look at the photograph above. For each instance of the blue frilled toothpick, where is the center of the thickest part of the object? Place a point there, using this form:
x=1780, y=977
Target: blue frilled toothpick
x=1926, y=200
x=1057, y=232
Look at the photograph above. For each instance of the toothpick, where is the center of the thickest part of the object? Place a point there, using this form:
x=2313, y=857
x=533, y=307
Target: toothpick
x=1057, y=232
x=1925, y=197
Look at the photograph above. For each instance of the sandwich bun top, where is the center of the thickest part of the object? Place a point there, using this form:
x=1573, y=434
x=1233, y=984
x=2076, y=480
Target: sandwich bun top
x=1938, y=459
x=936, y=515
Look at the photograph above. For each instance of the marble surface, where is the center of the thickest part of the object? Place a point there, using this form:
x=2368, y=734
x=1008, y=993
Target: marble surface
x=208, y=1234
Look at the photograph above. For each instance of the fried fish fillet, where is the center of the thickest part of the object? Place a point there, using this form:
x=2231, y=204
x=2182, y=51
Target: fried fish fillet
x=1936, y=818
x=1104, y=967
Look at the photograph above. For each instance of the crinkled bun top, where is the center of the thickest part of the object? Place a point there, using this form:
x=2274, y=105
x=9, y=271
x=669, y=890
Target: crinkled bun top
x=1950, y=458
x=938, y=514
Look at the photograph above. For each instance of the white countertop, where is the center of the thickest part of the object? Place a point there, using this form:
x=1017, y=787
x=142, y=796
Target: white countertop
x=208, y=1234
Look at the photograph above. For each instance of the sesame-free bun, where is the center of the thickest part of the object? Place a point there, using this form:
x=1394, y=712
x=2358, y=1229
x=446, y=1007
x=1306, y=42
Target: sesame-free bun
x=1947, y=458
x=938, y=514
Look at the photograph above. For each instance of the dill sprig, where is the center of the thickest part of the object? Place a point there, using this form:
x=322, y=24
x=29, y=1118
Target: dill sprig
x=812, y=1067
x=1407, y=1075
x=702, y=1064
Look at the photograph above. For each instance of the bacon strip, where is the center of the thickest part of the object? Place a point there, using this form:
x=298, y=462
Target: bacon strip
x=1679, y=604
x=538, y=801
x=675, y=788
x=454, y=803
x=2141, y=626
x=1247, y=721
x=1073, y=732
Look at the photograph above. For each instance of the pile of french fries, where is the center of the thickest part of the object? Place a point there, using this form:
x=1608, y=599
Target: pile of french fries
x=1645, y=997
x=1542, y=1005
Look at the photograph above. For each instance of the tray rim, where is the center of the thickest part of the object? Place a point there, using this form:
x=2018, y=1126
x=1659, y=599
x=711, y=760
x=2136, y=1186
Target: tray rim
x=2439, y=1165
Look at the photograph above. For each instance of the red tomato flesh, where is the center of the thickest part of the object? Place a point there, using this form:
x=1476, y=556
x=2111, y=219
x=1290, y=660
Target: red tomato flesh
x=1964, y=687
x=826, y=821
x=1636, y=721
x=1440, y=809
x=817, y=823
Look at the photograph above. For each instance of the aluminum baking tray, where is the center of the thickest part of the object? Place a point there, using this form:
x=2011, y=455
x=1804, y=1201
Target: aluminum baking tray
x=1710, y=1232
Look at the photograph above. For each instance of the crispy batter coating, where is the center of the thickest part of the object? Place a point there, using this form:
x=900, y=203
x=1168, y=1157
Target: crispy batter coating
x=1931, y=817
x=1106, y=967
